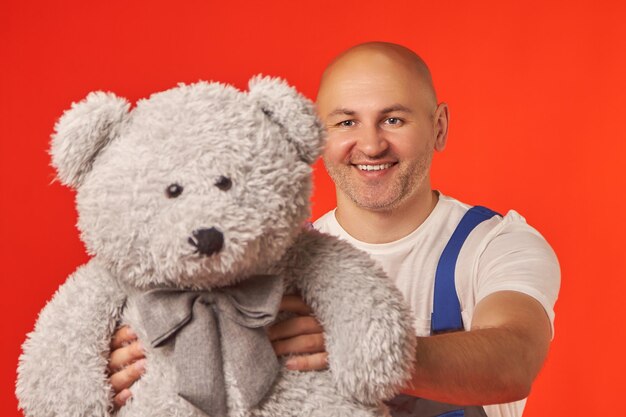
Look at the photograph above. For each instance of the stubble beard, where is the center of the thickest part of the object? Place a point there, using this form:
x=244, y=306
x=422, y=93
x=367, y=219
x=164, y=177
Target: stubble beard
x=381, y=194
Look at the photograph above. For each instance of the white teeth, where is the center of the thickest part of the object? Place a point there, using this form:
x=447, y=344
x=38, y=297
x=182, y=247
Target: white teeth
x=373, y=167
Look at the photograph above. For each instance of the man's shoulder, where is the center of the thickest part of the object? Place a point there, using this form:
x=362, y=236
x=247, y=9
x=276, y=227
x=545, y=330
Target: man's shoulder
x=454, y=210
x=327, y=223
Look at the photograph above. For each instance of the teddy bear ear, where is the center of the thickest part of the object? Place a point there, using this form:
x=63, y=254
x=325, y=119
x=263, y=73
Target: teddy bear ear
x=83, y=131
x=290, y=110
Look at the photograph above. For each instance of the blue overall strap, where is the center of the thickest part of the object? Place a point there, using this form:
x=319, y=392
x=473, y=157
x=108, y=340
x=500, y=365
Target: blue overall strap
x=446, y=314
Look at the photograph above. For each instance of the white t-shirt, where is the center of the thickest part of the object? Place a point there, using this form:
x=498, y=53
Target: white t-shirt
x=503, y=253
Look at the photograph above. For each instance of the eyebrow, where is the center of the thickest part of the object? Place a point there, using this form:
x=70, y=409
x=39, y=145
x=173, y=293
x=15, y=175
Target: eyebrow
x=394, y=108
x=342, y=111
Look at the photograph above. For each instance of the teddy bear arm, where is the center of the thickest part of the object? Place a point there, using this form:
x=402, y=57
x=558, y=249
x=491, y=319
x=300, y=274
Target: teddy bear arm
x=367, y=326
x=62, y=370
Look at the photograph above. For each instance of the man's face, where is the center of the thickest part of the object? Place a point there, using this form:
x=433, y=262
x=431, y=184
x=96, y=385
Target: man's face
x=380, y=133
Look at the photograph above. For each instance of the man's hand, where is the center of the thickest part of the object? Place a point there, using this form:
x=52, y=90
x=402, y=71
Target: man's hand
x=301, y=335
x=126, y=363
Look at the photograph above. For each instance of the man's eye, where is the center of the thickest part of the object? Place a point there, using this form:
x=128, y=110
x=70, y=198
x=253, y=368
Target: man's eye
x=346, y=123
x=394, y=121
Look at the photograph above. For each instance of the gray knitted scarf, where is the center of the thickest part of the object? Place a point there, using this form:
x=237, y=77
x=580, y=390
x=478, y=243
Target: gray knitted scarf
x=200, y=323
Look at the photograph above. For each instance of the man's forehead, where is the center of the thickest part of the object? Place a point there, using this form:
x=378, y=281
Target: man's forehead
x=367, y=94
x=377, y=72
x=363, y=74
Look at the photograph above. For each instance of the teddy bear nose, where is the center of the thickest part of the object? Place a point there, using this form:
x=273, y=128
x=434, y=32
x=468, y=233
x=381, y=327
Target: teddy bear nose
x=207, y=241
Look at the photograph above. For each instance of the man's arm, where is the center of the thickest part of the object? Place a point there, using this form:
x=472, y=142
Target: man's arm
x=495, y=362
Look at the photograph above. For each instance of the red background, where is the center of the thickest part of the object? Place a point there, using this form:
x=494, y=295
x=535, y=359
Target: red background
x=537, y=91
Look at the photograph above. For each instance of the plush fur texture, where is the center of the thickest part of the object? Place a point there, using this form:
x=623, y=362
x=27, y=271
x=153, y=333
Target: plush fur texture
x=122, y=164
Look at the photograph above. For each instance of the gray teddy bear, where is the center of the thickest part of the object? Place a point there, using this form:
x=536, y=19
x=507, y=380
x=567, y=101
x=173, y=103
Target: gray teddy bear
x=192, y=205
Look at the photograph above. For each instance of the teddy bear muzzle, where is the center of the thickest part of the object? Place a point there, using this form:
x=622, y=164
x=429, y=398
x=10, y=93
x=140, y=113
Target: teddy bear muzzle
x=207, y=241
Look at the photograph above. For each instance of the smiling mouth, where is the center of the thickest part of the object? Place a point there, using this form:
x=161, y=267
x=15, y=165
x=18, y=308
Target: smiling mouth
x=372, y=167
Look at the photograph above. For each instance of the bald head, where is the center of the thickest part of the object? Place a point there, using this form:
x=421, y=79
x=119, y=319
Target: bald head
x=380, y=59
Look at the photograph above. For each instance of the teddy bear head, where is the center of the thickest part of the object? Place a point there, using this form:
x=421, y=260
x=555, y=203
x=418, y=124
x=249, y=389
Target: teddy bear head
x=196, y=187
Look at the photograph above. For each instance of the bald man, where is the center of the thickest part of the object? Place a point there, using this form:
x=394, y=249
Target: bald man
x=482, y=286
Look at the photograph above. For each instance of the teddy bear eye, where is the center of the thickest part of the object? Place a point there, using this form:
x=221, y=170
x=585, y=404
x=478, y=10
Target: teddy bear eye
x=223, y=183
x=173, y=190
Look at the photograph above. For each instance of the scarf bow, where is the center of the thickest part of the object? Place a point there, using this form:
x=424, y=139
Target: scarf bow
x=199, y=323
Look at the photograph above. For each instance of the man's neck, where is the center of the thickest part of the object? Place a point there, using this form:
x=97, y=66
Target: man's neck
x=374, y=226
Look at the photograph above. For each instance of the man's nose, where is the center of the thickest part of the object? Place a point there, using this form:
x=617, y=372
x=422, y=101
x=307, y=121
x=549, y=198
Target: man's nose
x=372, y=141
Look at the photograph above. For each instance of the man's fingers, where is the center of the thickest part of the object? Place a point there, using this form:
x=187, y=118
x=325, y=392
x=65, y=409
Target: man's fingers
x=120, y=399
x=123, y=336
x=294, y=304
x=127, y=376
x=314, y=362
x=125, y=355
x=309, y=343
x=294, y=326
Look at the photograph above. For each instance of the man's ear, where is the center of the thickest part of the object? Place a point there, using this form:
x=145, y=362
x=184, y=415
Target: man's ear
x=441, y=121
x=83, y=131
x=293, y=112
